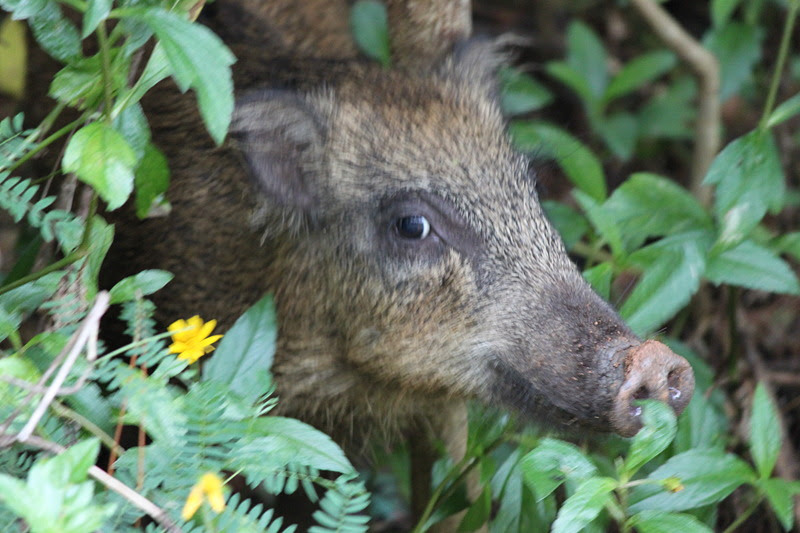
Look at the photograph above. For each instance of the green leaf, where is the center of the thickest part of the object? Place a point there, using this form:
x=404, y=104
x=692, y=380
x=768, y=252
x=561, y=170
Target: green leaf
x=17, y=303
x=578, y=162
x=96, y=13
x=520, y=93
x=57, y=35
x=552, y=462
x=788, y=243
x=144, y=283
x=573, y=79
x=370, y=27
x=20, y=368
x=587, y=56
x=784, y=111
x=101, y=157
x=478, y=513
x=753, y=266
x=244, y=357
x=658, y=432
x=669, y=113
x=152, y=181
x=290, y=441
x=672, y=270
x=659, y=522
x=23, y=9
x=620, y=132
x=132, y=124
x=79, y=84
x=100, y=238
x=603, y=222
x=582, y=507
x=647, y=205
x=738, y=49
x=640, y=71
x=721, y=10
x=749, y=181
x=198, y=59
x=599, y=277
x=706, y=476
x=569, y=223
x=765, y=432
x=780, y=495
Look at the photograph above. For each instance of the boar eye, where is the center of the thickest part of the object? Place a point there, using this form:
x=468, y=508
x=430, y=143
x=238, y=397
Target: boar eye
x=413, y=227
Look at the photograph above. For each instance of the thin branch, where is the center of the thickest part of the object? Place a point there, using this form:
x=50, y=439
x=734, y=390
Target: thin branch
x=706, y=67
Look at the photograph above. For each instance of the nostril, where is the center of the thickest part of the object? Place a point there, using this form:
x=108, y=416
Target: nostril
x=674, y=394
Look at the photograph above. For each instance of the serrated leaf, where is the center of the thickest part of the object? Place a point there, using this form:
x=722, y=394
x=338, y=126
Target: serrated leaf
x=738, y=49
x=658, y=432
x=753, y=266
x=56, y=35
x=659, y=522
x=765, y=432
x=749, y=181
x=570, y=224
x=578, y=162
x=784, y=111
x=721, y=10
x=706, y=476
x=582, y=507
x=291, y=441
x=144, y=283
x=780, y=495
x=587, y=56
x=200, y=60
x=520, y=93
x=551, y=463
x=244, y=357
x=370, y=27
x=647, y=205
x=640, y=71
x=101, y=157
x=96, y=13
x=152, y=180
x=672, y=270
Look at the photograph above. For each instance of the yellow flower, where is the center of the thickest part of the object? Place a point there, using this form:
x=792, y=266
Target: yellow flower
x=208, y=488
x=190, y=338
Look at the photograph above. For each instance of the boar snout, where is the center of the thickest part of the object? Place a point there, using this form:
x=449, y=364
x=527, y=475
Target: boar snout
x=652, y=371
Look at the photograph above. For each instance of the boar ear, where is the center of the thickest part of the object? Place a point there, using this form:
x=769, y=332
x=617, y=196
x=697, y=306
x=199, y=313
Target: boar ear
x=282, y=139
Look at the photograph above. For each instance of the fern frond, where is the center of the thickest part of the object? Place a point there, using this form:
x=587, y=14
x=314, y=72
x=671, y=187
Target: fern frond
x=13, y=140
x=241, y=516
x=338, y=512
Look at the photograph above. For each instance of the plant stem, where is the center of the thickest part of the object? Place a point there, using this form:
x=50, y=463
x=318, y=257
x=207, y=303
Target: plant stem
x=744, y=516
x=783, y=51
x=45, y=143
x=102, y=41
x=65, y=412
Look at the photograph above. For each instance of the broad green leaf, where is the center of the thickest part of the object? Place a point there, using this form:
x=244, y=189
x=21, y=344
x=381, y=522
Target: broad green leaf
x=19, y=368
x=788, y=243
x=151, y=403
x=780, y=494
x=578, y=162
x=569, y=223
x=57, y=35
x=370, y=27
x=244, y=355
x=157, y=69
x=573, y=79
x=17, y=303
x=721, y=10
x=603, y=222
x=620, y=132
x=670, y=113
x=478, y=513
x=647, y=205
x=672, y=270
x=519, y=511
x=296, y=442
x=738, y=49
x=749, y=181
x=599, y=277
x=658, y=432
x=96, y=13
x=785, y=111
x=753, y=266
x=582, y=507
x=152, y=180
x=198, y=59
x=640, y=71
x=144, y=283
x=552, y=462
x=78, y=84
x=659, y=522
x=101, y=157
x=23, y=9
x=132, y=124
x=587, y=56
x=100, y=238
x=765, y=432
x=520, y=93
x=706, y=477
